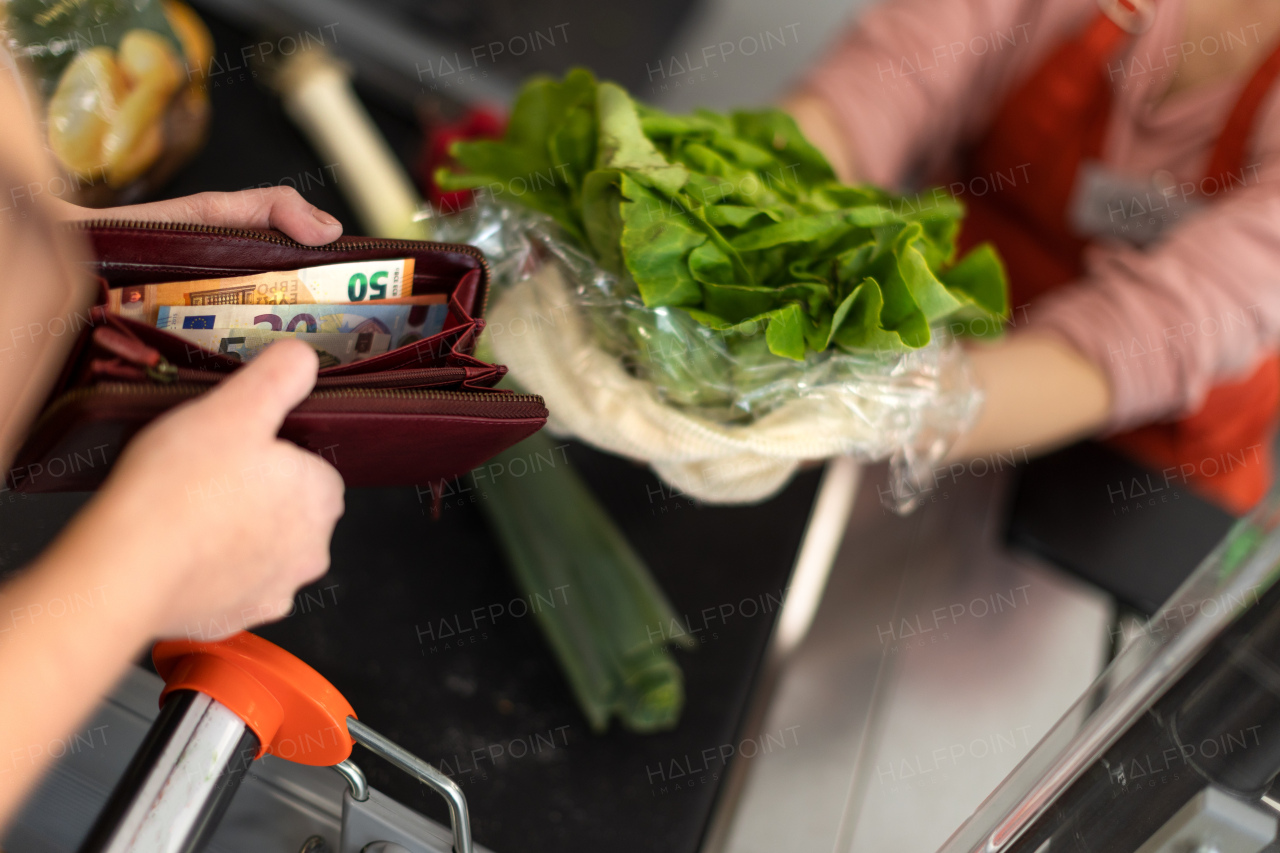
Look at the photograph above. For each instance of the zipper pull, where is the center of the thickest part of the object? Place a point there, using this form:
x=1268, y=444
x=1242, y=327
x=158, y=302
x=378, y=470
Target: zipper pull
x=136, y=352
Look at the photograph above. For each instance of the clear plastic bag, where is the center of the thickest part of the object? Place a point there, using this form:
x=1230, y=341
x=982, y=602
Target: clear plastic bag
x=122, y=84
x=716, y=414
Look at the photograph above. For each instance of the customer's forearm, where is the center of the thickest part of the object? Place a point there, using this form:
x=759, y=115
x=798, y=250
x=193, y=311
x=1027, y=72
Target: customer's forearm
x=69, y=627
x=1039, y=394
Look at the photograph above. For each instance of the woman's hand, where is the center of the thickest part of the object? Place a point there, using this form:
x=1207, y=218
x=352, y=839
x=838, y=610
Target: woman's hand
x=227, y=520
x=206, y=526
x=281, y=208
x=208, y=519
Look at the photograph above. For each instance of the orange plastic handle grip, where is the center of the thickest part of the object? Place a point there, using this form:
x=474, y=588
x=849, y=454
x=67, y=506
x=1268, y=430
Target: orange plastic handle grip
x=295, y=712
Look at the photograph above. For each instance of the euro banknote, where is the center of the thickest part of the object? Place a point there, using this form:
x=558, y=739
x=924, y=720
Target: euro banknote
x=357, y=281
x=334, y=348
x=403, y=323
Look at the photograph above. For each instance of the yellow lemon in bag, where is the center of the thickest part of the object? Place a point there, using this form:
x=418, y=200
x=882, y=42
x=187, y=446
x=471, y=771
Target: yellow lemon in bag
x=136, y=136
x=148, y=59
x=82, y=108
x=125, y=114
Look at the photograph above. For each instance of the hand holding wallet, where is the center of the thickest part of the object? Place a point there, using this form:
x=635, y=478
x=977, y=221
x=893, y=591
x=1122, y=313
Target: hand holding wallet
x=417, y=414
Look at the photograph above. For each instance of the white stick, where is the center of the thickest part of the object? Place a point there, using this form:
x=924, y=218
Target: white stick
x=317, y=95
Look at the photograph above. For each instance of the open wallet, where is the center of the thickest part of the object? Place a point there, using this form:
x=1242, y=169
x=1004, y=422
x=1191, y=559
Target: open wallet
x=417, y=414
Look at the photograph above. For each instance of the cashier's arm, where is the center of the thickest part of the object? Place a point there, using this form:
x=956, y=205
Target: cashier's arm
x=151, y=555
x=1039, y=392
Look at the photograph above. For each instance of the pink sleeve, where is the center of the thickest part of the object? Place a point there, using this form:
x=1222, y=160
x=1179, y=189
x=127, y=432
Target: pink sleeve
x=913, y=77
x=1168, y=323
x=908, y=84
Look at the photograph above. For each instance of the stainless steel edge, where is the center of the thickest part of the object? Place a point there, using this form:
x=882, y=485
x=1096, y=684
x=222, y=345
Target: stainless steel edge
x=1170, y=655
x=823, y=533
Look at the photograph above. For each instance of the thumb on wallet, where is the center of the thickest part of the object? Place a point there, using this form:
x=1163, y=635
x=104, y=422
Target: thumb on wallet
x=262, y=392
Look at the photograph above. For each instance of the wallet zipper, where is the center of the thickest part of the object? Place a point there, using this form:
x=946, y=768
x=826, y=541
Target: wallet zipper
x=505, y=406
x=385, y=379
x=281, y=240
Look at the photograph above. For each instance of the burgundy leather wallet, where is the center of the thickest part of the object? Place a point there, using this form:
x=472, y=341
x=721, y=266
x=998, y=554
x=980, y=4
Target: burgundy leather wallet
x=418, y=414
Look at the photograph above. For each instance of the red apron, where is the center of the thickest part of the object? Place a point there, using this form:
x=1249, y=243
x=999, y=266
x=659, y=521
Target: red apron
x=1048, y=126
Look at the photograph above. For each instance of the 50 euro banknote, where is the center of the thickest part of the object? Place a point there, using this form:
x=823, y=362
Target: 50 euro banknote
x=357, y=281
x=334, y=348
x=403, y=323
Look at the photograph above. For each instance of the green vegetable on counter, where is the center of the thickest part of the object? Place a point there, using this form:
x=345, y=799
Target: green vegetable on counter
x=735, y=221
x=610, y=636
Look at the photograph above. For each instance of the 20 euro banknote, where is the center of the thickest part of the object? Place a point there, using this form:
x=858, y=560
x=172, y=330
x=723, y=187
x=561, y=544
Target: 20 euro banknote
x=403, y=323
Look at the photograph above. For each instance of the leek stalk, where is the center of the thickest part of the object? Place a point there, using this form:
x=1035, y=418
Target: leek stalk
x=611, y=636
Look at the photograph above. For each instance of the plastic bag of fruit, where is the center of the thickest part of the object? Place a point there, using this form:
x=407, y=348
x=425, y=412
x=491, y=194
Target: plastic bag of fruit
x=122, y=87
